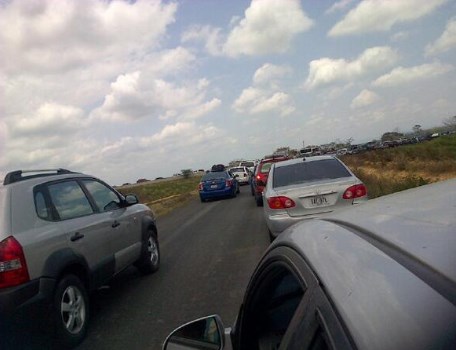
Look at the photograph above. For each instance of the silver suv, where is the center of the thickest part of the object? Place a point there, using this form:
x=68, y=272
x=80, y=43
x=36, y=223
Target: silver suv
x=62, y=235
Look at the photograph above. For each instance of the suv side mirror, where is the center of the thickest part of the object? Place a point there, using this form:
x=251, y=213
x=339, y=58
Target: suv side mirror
x=205, y=333
x=131, y=199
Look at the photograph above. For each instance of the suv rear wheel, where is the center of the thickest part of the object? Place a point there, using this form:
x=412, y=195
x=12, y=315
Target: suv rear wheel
x=71, y=311
x=149, y=262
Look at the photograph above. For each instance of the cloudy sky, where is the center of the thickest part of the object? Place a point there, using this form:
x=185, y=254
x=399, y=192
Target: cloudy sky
x=141, y=89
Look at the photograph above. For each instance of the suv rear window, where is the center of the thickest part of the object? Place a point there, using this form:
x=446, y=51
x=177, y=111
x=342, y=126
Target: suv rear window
x=237, y=170
x=308, y=171
x=248, y=164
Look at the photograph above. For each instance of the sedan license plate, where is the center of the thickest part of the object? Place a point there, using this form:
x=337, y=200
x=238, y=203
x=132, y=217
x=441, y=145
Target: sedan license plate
x=319, y=201
x=214, y=186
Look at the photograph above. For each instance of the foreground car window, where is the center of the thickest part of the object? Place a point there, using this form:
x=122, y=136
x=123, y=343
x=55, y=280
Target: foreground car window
x=268, y=317
x=309, y=171
x=104, y=197
x=69, y=200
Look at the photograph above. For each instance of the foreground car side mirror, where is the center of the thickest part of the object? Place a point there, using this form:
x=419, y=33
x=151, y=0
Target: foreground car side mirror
x=131, y=199
x=206, y=333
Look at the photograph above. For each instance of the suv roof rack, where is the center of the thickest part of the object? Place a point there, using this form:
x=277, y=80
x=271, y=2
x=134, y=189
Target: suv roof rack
x=17, y=175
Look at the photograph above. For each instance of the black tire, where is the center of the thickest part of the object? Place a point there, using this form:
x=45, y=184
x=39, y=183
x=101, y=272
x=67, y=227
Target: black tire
x=149, y=262
x=271, y=237
x=70, y=311
x=202, y=199
x=238, y=189
x=259, y=200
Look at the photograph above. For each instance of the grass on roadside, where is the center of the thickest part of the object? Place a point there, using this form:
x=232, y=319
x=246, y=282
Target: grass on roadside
x=163, y=196
x=395, y=169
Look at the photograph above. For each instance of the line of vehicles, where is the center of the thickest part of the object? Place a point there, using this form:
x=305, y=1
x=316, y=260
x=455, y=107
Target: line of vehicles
x=380, y=275
x=289, y=190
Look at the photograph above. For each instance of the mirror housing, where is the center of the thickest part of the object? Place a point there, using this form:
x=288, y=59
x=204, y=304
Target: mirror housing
x=205, y=333
x=131, y=199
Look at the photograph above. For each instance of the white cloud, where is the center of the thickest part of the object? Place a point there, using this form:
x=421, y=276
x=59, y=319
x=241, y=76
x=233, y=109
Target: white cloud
x=365, y=98
x=339, y=6
x=48, y=119
x=136, y=96
x=325, y=71
x=255, y=100
x=61, y=35
x=446, y=41
x=401, y=75
x=268, y=27
x=211, y=36
x=399, y=36
x=269, y=73
x=381, y=15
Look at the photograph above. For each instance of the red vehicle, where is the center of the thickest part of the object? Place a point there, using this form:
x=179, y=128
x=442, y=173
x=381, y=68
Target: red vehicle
x=261, y=176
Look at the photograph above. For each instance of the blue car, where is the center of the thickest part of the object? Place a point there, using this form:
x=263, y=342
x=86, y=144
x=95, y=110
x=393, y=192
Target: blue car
x=216, y=184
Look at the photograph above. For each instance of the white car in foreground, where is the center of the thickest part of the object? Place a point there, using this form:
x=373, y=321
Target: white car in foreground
x=377, y=276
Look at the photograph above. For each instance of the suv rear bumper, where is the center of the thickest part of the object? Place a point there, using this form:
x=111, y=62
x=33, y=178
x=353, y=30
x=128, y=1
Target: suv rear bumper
x=21, y=301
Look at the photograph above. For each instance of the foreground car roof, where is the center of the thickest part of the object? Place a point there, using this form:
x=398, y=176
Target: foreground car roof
x=389, y=266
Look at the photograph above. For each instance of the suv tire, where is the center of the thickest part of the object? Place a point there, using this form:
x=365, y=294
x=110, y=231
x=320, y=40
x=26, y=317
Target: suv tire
x=70, y=311
x=259, y=200
x=149, y=262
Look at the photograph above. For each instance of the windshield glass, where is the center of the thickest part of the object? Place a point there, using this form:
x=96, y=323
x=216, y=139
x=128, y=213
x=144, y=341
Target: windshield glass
x=215, y=175
x=309, y=171
x=265, y=167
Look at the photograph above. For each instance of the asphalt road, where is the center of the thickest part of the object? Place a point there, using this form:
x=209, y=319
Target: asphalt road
x=208, y=252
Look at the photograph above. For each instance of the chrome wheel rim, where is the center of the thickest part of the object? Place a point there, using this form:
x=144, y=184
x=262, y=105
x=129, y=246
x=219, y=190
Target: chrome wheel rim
x=73, y=309
x=152, y=250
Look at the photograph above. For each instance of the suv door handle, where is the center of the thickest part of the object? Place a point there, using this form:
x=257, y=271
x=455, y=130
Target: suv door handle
x=76, y=236
x=115, y=224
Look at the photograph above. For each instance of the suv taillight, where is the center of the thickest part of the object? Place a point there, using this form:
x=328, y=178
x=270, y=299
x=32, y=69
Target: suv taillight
x=13, y=269
x=280, y=202
x=355, y=191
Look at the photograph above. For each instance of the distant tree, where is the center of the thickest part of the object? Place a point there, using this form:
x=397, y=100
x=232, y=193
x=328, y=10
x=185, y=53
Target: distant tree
x=450, y=122
x=417, y=129
x=349, y=141
x=186, y=173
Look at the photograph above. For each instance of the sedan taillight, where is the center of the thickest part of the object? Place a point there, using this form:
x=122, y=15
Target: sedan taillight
x=200, y=186
x=280, y=202
x=355, y=191
x=229, y=183
x=13, y=269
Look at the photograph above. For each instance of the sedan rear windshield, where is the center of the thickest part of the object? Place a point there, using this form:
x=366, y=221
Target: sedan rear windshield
x=215, y=175
x=309, y=171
